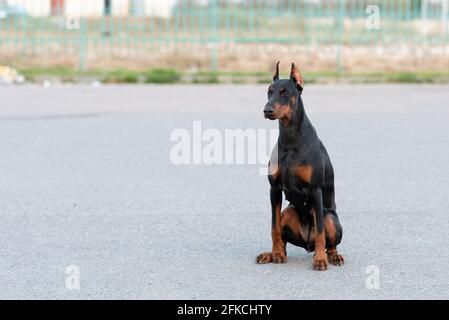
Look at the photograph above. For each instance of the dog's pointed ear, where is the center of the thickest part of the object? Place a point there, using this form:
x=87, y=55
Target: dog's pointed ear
x=276, y=75
x=296, y=77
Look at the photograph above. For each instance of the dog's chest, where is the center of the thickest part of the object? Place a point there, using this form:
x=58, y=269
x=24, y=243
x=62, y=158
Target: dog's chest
x=294, y=180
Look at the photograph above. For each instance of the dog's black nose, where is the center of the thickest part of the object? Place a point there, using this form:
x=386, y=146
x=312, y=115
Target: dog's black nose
x=268, y=113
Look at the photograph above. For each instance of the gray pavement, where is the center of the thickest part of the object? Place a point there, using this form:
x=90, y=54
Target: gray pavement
x=86, y=180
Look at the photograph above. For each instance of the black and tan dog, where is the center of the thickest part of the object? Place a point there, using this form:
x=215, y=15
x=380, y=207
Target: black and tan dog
x=300, y=167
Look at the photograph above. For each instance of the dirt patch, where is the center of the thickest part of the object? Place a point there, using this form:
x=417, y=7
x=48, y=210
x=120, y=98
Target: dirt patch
x=234, y=57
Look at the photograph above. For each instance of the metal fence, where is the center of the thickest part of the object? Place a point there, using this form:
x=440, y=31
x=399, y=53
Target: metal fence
x=83, y=26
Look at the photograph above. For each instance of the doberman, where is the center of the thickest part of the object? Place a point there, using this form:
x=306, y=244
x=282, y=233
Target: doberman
x=300, y=167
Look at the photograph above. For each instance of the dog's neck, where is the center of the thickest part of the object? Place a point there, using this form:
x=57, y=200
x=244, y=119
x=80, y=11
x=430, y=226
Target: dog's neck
x=292, y=132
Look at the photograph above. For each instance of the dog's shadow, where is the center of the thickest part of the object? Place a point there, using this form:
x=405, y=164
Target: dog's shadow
x=299, y=257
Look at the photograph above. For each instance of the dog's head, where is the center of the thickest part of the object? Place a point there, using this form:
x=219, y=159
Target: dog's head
x=283, y=96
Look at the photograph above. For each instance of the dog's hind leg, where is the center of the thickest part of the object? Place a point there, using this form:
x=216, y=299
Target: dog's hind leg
x=334, y=233
x=294, y=231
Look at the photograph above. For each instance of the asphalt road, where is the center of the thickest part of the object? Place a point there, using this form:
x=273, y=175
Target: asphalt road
x=86, y=180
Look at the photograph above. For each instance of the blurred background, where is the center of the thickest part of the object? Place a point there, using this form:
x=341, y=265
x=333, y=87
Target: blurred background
x=225, y=40
x=87, y=178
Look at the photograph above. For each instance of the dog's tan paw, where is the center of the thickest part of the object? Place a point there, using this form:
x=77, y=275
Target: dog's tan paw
x=319, y=262
x=274, y=257
x=335, y=259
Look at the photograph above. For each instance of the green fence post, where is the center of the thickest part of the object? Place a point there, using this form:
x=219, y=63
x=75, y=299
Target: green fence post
x=341, y=30
x=82, y=44
x=444, y=19
x=213, y=36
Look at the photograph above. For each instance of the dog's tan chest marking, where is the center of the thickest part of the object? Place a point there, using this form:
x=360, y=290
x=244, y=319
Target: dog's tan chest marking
x=304, y=173
x=274, y=170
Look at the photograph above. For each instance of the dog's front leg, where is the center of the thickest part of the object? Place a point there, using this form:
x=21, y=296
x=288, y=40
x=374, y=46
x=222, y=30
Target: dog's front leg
x=320, y=258
x=278, y=249
x=278, y=253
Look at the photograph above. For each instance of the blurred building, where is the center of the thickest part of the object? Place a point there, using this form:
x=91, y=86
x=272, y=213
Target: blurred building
x=94, y=8
x=228, y=35
x=34, y=8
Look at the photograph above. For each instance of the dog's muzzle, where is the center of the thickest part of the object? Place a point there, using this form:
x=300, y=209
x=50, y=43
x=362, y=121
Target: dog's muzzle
x=268, y=112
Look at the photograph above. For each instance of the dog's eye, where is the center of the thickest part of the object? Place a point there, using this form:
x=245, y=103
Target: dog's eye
x=284, y=93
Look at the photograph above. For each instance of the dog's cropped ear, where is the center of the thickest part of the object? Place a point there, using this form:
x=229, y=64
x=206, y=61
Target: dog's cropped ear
x=276, y=75
x=296, y=77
